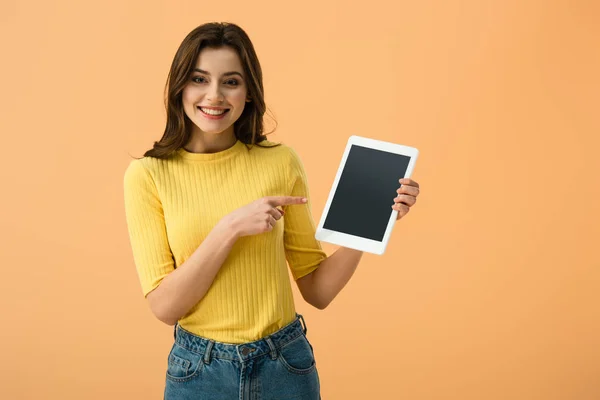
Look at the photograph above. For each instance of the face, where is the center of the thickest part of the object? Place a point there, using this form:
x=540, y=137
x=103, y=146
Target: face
x=216, y=84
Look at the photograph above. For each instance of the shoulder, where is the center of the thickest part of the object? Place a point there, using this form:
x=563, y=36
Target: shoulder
x=147, y=166
x=277, y=151
x=135, y=169
x=139, y=170
x=269, y=145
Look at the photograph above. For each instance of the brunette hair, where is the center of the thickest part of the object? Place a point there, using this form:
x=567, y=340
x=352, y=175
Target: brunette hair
x=248, y=128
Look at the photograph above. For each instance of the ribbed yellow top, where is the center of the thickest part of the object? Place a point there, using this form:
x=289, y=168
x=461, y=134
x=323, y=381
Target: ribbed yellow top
x=171, y=205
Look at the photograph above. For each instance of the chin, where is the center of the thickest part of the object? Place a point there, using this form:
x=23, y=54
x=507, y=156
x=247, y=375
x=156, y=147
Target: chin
x=213, y=131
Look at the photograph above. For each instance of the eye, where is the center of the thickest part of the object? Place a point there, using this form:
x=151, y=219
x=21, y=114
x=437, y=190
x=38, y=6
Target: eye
x=232, y=82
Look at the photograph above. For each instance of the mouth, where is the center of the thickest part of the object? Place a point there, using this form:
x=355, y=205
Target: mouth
x=213, y=112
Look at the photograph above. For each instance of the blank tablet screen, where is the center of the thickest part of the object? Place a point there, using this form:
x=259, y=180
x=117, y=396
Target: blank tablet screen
x=362, y=203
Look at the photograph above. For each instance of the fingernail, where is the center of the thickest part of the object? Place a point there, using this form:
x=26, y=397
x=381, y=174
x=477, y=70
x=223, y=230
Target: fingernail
x=304, y=199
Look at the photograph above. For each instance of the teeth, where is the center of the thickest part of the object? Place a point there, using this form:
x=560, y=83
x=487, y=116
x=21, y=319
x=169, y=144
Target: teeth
x=212, y=112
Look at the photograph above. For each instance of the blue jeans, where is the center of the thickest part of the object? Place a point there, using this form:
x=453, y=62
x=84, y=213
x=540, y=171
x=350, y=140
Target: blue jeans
x=280, y=366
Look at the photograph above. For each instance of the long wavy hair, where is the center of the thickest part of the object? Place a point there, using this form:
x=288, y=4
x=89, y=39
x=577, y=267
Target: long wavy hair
x=248, y=128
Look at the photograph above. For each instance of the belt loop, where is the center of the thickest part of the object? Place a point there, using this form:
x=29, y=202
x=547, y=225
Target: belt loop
x=175, y=331
x=209, y=347
x=272, y=347
x=303, y=322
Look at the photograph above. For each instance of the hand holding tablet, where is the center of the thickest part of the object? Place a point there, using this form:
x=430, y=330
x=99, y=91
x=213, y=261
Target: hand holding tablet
x=358, y=213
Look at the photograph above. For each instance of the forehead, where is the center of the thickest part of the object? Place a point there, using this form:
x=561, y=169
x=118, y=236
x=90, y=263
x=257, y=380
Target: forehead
x=218, y=59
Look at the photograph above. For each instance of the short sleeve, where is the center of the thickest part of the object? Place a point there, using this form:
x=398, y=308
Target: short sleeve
x=147, y=229
x=302, y=251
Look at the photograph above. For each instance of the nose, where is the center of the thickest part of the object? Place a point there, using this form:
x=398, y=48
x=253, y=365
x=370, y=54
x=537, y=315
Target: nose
x=214, y=94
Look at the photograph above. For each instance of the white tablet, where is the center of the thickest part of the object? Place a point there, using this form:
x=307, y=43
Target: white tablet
x=359, y=213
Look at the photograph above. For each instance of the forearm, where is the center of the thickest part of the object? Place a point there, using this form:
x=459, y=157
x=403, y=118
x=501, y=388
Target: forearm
x=187, y=284
x=333, y=274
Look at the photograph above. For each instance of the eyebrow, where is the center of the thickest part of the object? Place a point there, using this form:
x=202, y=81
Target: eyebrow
x=225, y=74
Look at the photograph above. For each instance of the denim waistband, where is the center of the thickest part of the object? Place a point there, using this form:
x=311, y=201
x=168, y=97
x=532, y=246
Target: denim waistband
x=241, y=352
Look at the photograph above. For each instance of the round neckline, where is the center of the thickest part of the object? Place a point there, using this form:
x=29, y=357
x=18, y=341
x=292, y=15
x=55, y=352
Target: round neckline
x=219, y=155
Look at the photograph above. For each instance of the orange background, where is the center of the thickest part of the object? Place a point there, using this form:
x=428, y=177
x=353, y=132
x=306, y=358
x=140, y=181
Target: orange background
x=489, y=286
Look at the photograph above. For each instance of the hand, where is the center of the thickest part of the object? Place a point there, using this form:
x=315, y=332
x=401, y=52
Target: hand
x=407, y=197
x=259, y=216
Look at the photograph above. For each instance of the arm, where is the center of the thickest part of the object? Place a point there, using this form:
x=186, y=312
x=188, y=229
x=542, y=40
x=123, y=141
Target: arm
x=183, y=288
x=322, y=285
x=171, y=291
x=319, y=278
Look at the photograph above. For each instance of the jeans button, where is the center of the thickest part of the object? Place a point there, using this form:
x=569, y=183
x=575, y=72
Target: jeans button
x=247, y=350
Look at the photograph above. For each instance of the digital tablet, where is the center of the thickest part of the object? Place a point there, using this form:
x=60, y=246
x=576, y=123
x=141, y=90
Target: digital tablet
x=359, y=213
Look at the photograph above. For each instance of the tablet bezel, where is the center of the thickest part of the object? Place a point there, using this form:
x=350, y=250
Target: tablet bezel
x=357, y=242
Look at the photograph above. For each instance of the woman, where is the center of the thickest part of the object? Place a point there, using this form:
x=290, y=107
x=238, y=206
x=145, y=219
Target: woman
x=202, y=214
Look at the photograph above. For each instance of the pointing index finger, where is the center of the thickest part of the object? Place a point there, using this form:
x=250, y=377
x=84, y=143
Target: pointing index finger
x=286, y=200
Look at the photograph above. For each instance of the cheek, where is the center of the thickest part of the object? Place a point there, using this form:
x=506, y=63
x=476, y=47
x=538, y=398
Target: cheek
x=187, y=96
x=237, y=97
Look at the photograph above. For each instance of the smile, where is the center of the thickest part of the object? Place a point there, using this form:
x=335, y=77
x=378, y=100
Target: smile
x=212, y=112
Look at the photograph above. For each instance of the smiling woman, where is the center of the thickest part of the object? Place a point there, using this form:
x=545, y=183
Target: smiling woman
x=202, y=214
x=212, y=99
x=215, y=68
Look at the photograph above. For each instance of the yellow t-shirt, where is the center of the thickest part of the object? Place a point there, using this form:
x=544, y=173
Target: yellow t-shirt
x=172, y=204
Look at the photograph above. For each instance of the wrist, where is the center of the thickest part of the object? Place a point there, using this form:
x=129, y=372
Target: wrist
x=227, y=228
